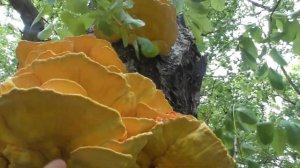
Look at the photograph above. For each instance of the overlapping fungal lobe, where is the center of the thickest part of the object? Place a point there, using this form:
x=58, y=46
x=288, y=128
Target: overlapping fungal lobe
x=69, y=103
x=98, y=50
x=160, y=26
x=38, y=125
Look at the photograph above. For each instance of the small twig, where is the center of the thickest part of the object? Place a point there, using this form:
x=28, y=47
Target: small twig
x=236, y=143
x=282, y=68
x=212, y=88
x=274, y=8
x=46, y=21
x=287, y=99
x=290, y=80
x=260, y=5
x=271, y=15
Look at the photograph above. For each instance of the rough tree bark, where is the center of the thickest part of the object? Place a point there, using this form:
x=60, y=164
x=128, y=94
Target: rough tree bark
x=28, y=13
x=179, y=75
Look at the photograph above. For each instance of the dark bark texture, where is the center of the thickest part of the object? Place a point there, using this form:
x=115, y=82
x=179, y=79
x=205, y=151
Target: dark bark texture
x=179, y=75
x=28, y=13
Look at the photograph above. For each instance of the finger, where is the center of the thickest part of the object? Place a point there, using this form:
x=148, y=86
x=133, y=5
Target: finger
x=56, y=164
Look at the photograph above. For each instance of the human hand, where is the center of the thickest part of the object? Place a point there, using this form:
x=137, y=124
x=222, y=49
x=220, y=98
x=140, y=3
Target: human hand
x=56, y=164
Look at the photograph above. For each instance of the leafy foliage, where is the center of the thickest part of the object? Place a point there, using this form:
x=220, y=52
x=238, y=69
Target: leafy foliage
x=9, y=36
x=109, y=16
x=252, y=99
x=250, y=96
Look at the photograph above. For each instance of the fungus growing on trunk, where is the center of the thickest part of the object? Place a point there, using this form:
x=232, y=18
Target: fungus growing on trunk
x=160, y=26
x=70, y=106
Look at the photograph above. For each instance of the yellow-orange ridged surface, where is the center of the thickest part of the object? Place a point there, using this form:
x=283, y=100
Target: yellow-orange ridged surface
x=74, y=100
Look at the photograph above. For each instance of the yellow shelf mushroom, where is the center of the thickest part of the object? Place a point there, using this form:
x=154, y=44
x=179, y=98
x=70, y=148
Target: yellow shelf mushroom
x=160, y=26
x=65, y=103
x=27, y=52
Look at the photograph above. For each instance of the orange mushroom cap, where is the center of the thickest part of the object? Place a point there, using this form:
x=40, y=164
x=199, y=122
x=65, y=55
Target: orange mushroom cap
x=184, y=143
x=160, y=26
x=146, y=92
x=87, y=111
x=38, y=125
x=99, y=157
x=120, y=91
x=98, y=50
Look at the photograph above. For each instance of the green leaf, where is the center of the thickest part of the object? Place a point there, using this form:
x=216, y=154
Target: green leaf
x=252, y=164
x=278, y=21
x=263, y=51
x=218, y=5
x=46, y=9
x=63, y=32
x=195, y=7
x=117, y=5
x=279, y=24
x=218, y=133
x=279, y=15
x=262, y=71
x=109, y=29
x=228, y=140
x=228, y=124
x=130, y=22
x=265, y=132
x=75, y=27
x=128, y=4
x=77, y=6
x=293, y=135
x=247, y=149
x=136, y=49
x=279, y=141
x=277, y=57
x=179, y=4
x=124, y=34
x=276, y=80
x=276, y=36
x=148, y=48
x=46, y=33
x=247, y=44
x=195, y=17
x=87, y=20
x=296, y=14
x=201, y=22
x=290, y=31
x=51, y=2
x=256, y=34
x=246, y=115
x=248, y=59
x=296, y=44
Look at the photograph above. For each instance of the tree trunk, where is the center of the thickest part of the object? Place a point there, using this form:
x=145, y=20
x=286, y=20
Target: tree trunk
x=179, y=75
x=28, y=13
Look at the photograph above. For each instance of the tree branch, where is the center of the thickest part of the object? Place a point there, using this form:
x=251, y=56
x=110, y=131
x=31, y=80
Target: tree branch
x=290, y=80
x=271, y=15
x=282, y=68
x=28, y=13
x=260, y=5
x=286, y=99
x=274, y=8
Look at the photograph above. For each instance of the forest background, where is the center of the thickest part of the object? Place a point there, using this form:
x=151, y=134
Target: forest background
x=250, y=94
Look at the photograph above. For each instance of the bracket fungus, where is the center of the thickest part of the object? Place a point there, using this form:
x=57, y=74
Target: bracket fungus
x=27, y=51
x=160, y=26
x=65, y=103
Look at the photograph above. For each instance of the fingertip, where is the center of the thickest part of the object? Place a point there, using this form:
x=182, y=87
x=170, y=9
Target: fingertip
x=56, y=164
